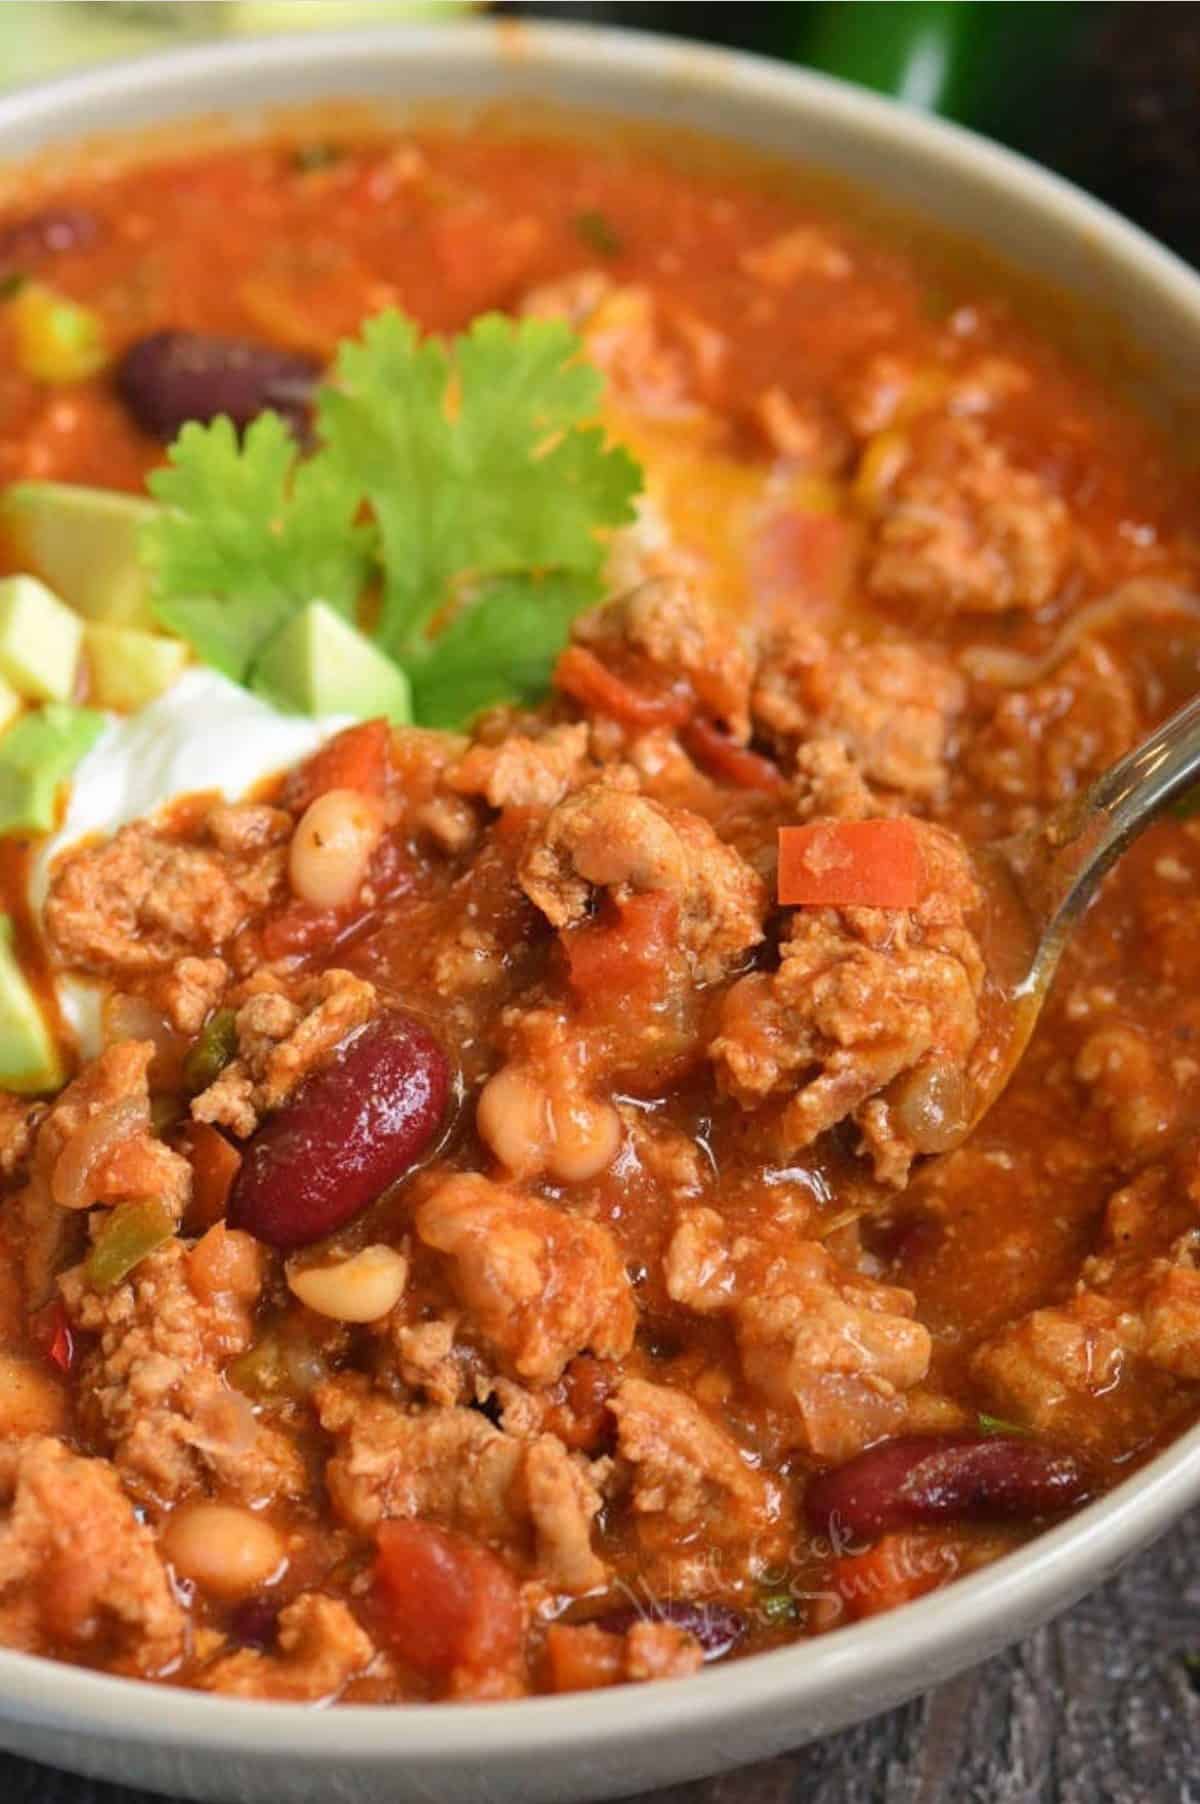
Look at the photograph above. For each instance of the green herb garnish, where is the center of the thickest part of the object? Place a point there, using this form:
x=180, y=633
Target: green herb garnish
x=12, y=284
x=779, y=1608
x=37, y=754
x=166, y=1112
x=999, y=1425
x=250, y=534
x=597, y=233
x=213, y=1049
x=466, y=486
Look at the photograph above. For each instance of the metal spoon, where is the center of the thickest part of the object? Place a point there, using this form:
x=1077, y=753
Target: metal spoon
x=1056, y=867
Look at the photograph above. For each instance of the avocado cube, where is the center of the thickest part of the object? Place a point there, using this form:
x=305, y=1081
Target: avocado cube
x=129, y=668
x=10, y=704
x=320, y=664
x=84, y=543
x=37, y=755
x=29, y=1059
x=40, y=640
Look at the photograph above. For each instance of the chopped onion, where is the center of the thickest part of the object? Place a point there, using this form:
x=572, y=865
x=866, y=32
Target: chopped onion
x=225, y=1424
x=1140, y=599
x=87, y=1149
x=134, y=1018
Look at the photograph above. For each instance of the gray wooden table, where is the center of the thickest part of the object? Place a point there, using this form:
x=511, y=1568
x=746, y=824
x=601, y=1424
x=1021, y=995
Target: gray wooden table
x=1102, y=1707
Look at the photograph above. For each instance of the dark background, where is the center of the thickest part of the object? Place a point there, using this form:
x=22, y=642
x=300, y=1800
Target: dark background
x=1108, y=94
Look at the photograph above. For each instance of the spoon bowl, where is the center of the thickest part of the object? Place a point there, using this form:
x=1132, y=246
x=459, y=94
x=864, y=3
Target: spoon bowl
x=1047, y=876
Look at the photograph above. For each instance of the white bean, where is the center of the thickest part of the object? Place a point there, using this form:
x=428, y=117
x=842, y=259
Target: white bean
x=534, y=1126
x=587, y=1137
x=360, y=1289
x=226, y=1550
x=332, y=846
x=513, y=1118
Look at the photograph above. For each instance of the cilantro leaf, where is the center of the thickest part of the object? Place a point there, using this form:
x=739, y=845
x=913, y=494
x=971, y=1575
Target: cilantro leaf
x=475, y=467
x=500, y=648
x=1000, y=1425
x=468, y=484
x=248, y=535
x=37, y=754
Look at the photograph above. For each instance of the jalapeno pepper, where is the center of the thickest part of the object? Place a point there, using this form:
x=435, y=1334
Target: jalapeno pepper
x=131, y=1231
x=214, y=1048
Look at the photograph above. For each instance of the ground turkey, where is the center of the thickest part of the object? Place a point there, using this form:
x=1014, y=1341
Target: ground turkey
x=862, y=998
x=140, y=901
x=604, y=838
x=830, y=1346
x=891, y=705
x=453, y=1466
x=539, y=1283
x=153, y=1387
x=77, y=1568
x=967, y=532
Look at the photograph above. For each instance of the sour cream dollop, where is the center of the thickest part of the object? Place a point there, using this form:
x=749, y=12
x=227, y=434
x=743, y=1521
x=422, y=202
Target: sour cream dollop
x=205, y=733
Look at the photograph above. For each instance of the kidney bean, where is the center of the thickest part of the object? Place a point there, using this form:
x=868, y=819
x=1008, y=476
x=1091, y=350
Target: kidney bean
x=918, y=1479
x=172, y=377
x=29, y=241
x=717, y=1627
x=254, y=1623
x=352, y=1128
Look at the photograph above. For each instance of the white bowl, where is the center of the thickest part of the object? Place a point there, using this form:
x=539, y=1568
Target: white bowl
x=600, y=1744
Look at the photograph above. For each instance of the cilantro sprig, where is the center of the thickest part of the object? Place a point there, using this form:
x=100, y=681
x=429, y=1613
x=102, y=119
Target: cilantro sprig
x=462, y=489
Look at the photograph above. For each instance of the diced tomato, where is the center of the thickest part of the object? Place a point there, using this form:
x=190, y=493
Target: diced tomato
x=130, y=1168
x=447, y=1604
x=894, y=1571
x=215, y=1163
x=50, y=1330
x=628, y=948
x=845, y=864
x=355, y=759
x=580, y=674
x=392, y=871
x=717, y=754
x=299, y=928
x=510, y=833
x=582, y=1657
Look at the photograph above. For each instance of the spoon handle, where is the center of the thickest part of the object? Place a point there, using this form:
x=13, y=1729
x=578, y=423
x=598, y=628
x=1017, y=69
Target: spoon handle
x=1060, y=865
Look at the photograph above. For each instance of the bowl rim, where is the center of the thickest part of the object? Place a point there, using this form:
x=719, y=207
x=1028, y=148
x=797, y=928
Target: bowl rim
x=884, y=1658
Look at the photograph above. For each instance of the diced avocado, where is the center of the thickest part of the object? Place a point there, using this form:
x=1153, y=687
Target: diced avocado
x=319, y=664
x=10, y=704
x=29, y=1059
x=36, y=756
x=40, y=640
x=84, y=543
x=129, y=668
